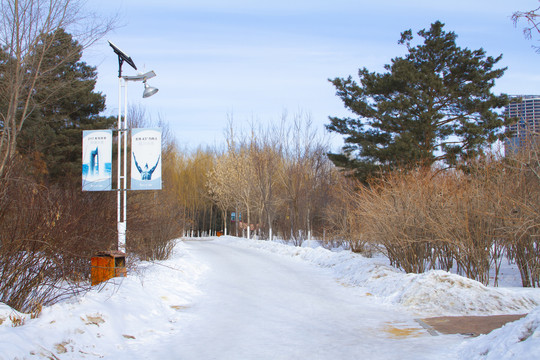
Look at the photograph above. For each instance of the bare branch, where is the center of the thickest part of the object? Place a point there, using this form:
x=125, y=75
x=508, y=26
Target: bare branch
x=27, y=30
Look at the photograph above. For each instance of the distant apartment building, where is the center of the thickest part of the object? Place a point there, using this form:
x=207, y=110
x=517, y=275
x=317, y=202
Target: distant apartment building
x=526, y=109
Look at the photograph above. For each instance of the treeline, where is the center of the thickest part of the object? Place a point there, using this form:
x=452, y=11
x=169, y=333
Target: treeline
x=276, y=181
x=468, y=222
x=266, y=183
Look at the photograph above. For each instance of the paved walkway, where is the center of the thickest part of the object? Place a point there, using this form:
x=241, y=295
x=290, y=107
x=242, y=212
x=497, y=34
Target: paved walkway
x=466, y=325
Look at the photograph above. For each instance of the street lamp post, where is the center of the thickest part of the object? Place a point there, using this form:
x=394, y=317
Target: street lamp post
x=122, y=128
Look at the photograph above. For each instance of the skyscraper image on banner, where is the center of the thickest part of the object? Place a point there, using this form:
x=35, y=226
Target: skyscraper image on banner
x=146, y=159
x=97, y=160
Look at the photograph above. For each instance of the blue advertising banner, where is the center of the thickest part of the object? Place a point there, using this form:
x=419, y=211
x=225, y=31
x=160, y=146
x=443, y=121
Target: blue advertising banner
x=146, y=159
x=97, y=160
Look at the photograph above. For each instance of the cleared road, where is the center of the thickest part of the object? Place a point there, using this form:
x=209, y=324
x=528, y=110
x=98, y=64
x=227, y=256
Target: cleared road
x=257, y=305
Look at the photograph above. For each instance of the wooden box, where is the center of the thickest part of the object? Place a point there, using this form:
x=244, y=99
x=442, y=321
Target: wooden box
x=106, y=265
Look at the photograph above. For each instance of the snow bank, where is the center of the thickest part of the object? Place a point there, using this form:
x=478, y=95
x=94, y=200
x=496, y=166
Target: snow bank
x=434, y=293
x=10, y=317
x=516, y=340
x=99, y=324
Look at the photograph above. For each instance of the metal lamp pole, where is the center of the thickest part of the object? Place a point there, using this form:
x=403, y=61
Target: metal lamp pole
x=122, y=170
x=123, y=131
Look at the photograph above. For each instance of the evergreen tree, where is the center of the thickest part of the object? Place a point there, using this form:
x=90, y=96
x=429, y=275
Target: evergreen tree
x=432, y=105
x=65, y=104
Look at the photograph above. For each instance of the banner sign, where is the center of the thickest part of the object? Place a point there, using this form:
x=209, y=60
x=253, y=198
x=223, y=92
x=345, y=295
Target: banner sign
x=97, y=160
x=146, y=159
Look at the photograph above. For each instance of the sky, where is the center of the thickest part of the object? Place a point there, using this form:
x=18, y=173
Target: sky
x=257, y=61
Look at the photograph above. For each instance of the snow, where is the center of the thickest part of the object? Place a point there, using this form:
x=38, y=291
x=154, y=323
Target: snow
x=517, y=340
x=433, y=293
x=230, y=298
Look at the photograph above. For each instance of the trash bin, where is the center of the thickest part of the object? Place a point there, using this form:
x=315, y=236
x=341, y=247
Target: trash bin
x=106, y=265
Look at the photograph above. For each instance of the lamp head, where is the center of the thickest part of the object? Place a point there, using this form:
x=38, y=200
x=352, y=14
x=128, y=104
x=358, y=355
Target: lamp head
x=149, y=90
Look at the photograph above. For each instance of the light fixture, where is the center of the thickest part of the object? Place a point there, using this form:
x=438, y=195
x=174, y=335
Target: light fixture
x=149, y=90
x=123, y=134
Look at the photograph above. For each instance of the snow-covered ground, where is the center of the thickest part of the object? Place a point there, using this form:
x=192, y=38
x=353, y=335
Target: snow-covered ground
x=229, y=298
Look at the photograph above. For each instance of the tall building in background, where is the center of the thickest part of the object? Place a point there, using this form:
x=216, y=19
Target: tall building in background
x=526, y=108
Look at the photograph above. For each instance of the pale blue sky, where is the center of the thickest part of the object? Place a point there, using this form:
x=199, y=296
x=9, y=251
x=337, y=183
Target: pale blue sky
x=253, y=60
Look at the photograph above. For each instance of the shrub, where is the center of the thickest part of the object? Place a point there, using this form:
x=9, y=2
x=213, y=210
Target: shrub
x=47, y=237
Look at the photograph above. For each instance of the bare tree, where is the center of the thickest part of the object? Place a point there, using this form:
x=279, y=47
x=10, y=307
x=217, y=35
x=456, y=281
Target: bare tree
x=265, y=151
x=279, y=177
x=220, y=188
x=27, y=31
x=522, y=205
x=305, y=176
x=156, y=216
x=531, y=17
x=230, y=182
x=343, y=224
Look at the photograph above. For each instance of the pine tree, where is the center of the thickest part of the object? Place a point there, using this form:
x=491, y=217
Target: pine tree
x=432, y=105
x=65, y=104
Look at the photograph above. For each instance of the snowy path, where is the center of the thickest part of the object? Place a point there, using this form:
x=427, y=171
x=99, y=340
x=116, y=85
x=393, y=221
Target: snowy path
x=257, y=305
x=230, y=298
